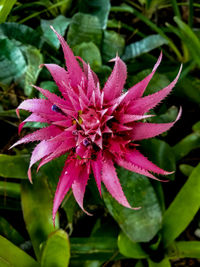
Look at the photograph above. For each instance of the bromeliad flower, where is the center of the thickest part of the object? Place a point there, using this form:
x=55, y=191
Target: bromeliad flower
x=97, y=127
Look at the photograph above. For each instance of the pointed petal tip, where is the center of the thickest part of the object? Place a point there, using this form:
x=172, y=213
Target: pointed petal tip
x=29, y=176
x=17, y=112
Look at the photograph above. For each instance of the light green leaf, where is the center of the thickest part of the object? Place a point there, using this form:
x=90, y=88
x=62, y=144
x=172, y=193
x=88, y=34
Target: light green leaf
x=56, y=251
x=113, y=44
x=145, y=45
x=12, y=62
x=139, y=225
x=186, y=169
x=99, y=8
x=5, y=8
x=164, y=263
x=184, y=249
x=60, y=24
x=130, y=249
x=10, y=255
x=182, y=210
x=37, y=203
x=84, y=28
x=8, y=189
x=14, y=166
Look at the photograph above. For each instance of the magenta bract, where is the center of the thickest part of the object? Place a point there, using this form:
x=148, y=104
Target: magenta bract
x=97, y=127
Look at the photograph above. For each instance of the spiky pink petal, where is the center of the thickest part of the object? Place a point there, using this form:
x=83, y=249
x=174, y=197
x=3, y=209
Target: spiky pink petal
x=148, y=130
x=116, y=81
x=97, y=169
x=32, y=118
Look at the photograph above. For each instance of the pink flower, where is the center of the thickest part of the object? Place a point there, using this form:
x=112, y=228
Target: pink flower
x=98, y=127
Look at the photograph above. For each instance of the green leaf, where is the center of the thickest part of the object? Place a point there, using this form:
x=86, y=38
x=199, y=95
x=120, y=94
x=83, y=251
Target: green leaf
x=60, y=24
x=5, y=8
x=14, y=166
x=37, y=206
x=184, y=249
x=12, y=62
x=130, y=249
x=50, y=86
x=186, y=145
x=190, y=39
x=163, y=263
x=93, y=248
x=139, y=225
x=99, y=8
x=196, y=127
x=34, y=60
x=56, y=251
x=182, y=210
x=20, y=33
x=10, y=255
x=113, y=44
x=8, y=189
x=9, y=232
x=145, y=45
x=84, y=28
x=186, y=169
x=90, y=53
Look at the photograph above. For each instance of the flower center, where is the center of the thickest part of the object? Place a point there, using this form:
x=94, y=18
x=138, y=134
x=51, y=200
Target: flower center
x=90, y=120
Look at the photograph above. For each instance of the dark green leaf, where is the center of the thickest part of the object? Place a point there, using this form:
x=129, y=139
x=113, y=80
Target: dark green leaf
x=84, y=28
x=145, y=45
x=163, y=263
x=37, y=206
x=113, y=44
x=186, y=169
x=12, y=62
x=99, y=8
x=182, y=209
x=13, y=256
x=60, y=24
x=139, y=225
x=56, y=251
x=130, y=249
x=14, y=166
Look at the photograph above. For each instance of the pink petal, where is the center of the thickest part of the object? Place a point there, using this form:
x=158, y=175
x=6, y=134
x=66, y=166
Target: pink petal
x=142, y=105
x=111, y=181
x=41, y=134
x=148, y=130
x=126, y=118
x=33, y=118
x=129, y=166
x=43, y=149
x=69, y=173
x=137, y=159
x=116, y=81
x=138, y=89
x=73, y=68
x=79, y=185
x=97, y=168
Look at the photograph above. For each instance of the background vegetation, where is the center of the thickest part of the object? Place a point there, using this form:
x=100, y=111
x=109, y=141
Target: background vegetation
x=166, y=231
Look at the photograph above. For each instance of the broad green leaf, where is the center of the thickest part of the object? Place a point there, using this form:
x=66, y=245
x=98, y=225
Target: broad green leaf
x=50, y=86
x=34, y=59
x=56, y=251
x=182, y=210
x=9, y=232
x=84, y=28
x=196, y=127
x=37, y=203
x=139, y=225
x=190, y=39
x=186, y=145
x=5, y=8
x=12, y=62
x=184, y=249
x=8, y=189
x=145, y=45
x=164, y=263
x=14, y=166
x=113, y=44
x=21, y=33
x=90, y=53
x=93, y=248
x=60, y=24
x=186, y=169
x=99, y=8
x=130, y=249
x=13, y=256
x=160, y=153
